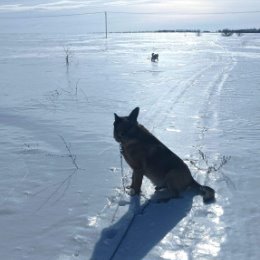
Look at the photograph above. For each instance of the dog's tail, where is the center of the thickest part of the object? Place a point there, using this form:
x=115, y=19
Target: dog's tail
x=206, y=192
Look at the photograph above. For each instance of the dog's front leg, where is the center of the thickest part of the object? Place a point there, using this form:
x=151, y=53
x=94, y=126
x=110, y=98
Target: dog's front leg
x=137, y=179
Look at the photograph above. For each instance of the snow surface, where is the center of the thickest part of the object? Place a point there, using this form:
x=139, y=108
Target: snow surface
x=62, y=195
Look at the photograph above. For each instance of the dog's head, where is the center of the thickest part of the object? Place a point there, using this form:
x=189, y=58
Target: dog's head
x=124, y=127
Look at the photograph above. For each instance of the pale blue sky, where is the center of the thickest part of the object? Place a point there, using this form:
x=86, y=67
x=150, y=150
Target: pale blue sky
x=182, y=14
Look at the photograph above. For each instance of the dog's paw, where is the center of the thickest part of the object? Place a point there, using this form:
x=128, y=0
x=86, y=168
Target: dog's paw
x=132, y=192
x=159, y=188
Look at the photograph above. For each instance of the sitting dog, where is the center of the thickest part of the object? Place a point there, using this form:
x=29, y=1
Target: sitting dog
x=155, y=57
x=147, y=156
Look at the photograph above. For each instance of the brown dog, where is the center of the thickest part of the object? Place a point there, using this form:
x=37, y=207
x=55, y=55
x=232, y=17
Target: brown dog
x=146, y=155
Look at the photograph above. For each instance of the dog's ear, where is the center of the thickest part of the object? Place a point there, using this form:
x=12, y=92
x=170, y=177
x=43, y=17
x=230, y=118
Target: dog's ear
x=134, y=114
x=117, y=118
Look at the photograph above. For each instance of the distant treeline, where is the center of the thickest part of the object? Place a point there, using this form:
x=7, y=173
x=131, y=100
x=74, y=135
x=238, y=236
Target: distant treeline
x=220, y=31
x=240, y=31
x=224, y=31
x=181, y=31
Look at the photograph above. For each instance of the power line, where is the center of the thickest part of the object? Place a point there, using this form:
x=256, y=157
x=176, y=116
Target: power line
x=129, y=13
x=49, y=16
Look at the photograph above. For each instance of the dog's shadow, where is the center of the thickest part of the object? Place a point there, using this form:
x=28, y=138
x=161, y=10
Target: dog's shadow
x=141, y=228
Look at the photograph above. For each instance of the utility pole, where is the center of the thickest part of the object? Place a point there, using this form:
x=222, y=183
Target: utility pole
x=106, y=23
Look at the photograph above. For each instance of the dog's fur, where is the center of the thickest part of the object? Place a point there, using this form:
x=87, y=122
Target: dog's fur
x=146, y=155
x=154, y=57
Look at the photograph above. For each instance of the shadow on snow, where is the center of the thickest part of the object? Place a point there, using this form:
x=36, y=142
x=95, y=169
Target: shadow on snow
x=141, y=228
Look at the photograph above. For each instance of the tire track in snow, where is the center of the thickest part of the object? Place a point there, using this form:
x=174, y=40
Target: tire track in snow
x=154, y=112
x=191, y=235
x=190, y=239
x=199, y=240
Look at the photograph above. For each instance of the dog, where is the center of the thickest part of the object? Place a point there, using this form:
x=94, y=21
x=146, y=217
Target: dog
x=149, y=157
x=154, y=57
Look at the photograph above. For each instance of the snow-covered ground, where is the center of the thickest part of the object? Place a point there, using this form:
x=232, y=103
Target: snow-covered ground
x=62, y=196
